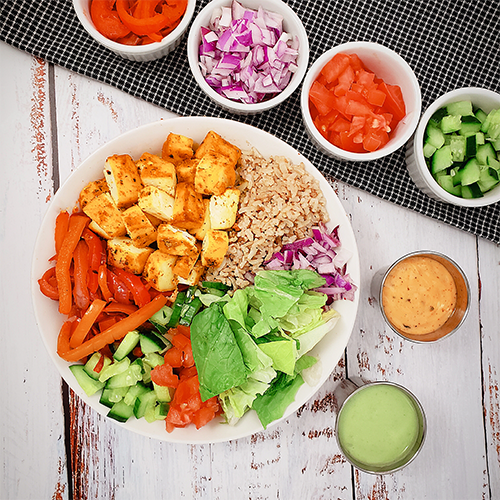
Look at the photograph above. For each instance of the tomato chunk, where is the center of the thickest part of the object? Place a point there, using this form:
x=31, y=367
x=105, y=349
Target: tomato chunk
x=353, y=108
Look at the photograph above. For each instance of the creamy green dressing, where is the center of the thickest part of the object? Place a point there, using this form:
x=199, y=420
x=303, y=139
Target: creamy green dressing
x=379, y=427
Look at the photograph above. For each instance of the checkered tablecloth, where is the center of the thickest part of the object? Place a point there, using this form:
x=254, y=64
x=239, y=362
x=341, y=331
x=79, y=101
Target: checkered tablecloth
x=448, y=45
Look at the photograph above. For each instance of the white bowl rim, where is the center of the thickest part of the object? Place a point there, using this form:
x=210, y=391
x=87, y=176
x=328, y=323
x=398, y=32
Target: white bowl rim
x=419, y=155
x=240, y=106
x=311, y=75
x=143, y=50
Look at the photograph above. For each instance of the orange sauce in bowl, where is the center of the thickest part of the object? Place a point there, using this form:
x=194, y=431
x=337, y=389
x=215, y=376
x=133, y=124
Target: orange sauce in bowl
x=419, y=295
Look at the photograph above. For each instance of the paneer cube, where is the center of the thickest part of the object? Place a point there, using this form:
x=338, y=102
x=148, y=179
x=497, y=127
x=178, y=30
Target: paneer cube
x=103, y=211
x=156, y=171
x=186, y=170
x=195, y=275
x=98, y=230
x=214, y=142
x=139, y=227
x=91, y=190
x=185, y=263
x=200, y=232
x=224, y=208
x=214, y=248
x=214, y=174
x=189, y=209
x=156, y=202
x=159, y=271
x=122, y=253
x=177, y=148
x=123, y=179
x=175, y=241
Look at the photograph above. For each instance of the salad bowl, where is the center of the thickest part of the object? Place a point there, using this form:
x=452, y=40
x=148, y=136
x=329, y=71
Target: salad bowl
x=150, y=138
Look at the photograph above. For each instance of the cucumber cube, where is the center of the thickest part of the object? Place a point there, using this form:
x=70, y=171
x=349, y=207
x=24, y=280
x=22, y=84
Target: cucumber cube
x=462, y=108
x=470, y=172
x=441, y=159
x=457, y=145
x=450, y=123
x=446, y=182
x=434, y=136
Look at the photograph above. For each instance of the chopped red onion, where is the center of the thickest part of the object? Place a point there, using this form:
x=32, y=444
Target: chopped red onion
x=262, y=57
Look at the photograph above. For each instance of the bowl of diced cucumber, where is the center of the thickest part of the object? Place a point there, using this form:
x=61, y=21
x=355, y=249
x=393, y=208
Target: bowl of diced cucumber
x=454, y=155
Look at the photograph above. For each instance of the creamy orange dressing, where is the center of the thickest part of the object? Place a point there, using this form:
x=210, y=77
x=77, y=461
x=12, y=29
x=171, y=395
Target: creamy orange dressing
x=419, y=295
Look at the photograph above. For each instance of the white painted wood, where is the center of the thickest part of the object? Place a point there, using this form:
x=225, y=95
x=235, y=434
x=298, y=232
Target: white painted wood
x=298, y=458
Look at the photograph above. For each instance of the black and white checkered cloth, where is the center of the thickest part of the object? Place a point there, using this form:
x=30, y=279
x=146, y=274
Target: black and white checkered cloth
x=448, y=44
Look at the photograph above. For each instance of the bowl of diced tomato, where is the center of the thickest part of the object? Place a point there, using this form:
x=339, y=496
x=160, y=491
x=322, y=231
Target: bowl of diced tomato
x=138, y=30
x=360, y=101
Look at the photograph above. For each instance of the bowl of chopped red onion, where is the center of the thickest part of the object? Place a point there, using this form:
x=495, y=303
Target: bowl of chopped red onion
x=248, y=57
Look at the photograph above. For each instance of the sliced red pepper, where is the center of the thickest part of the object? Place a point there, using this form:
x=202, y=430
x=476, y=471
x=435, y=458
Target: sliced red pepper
x=48, y=284
x=80, y=275
x=97, y=252
x=62, y=221
x=119, y=290
x=135, y=285
x=103, y=283
x=106, y=19
x=148, y=25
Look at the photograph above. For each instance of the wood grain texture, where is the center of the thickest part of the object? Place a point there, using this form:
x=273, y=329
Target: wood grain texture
x=457, y=380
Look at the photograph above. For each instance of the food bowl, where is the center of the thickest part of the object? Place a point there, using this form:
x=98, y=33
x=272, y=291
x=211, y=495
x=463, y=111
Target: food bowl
x=387, y=65
x=291, y=24
x=415, y=160
x=139, y=53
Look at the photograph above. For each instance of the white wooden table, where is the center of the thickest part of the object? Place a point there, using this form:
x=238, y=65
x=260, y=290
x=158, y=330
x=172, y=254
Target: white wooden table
x=54, y=446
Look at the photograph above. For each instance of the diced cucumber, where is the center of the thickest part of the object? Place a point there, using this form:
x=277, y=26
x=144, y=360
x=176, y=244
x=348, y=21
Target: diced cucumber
x=86, y=382
x=470, y=125
x=161, y=318
x=488, y=179
x=434, y=136
x=470, y=172
x=111, y=396
x=462, y=108
x=121, y=411
x=479, y=138
x=446, y=182
x=491, y=162
x=485, y=152
x=162, y=393
x=471, y=146
x=143, y=401
x=151, y=342
x=93, y=361
x=457, y=145
x=429, y=150
x=129, y=377
x=450, y=123
x=114, y=369
x=134, y=392
x=472, y=191
x=126, y=345
x=493, y=131
x=480, y=115
x=441, y=159
x=161, y=410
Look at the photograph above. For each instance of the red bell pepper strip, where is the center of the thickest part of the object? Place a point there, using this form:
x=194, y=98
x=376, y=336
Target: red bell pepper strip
x=80, y=275
x=135, y=285
x=106, y=20
x=48, y=284
x=97, y=253
x=120, y=292
x=103, y=283
x=77, y=223
x=61, y=229
x=86, y=323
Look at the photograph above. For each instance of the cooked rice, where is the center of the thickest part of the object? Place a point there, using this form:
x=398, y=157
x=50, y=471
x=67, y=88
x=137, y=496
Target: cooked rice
x=280, y=203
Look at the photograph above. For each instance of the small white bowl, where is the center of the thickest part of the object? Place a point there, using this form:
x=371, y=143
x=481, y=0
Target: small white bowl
x=291, y=24
x=389, y=66
x=138, y=53
x=415, y=160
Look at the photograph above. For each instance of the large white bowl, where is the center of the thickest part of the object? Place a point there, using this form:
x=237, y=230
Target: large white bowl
x=291, y=24
x=415, y=160
x=150, y=138
x=389, y=66
x=140, y=53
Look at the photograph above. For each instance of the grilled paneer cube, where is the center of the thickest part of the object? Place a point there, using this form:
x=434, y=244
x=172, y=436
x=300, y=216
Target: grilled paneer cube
x=189, y=209
x=91, y=190
x=186, y=170
x=98, y=230
x=223, y=209
x=214, y=142
x=214, y=248
x=200, y=232
x=103, y=211
x=195, y=275
x=159, y=271
x=185, y=263
x=122, y=253
x=156, y=171
x=139, y=227
x=175, y=241
x=177, y=148
x=214, y=174
x=123, y=179
x=156, y=202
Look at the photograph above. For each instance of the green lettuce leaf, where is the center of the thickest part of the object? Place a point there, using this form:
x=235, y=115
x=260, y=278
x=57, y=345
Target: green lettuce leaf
x=218, y=358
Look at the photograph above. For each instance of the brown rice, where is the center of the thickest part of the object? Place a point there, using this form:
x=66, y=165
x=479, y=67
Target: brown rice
x=280, y=203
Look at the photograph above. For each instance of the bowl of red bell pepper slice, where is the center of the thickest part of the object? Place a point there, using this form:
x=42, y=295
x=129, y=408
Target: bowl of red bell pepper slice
x=139, y=30
x=360, y=101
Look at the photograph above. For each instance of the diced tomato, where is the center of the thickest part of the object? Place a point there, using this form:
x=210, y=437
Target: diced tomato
x=204, y=415
x=353, y=108
x=335, y=67
x=164, y=375
x=173, y=357
x=322, y=98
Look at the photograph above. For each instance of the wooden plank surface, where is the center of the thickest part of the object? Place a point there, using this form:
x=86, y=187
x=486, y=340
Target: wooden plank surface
x=55, y=446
